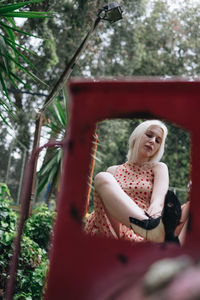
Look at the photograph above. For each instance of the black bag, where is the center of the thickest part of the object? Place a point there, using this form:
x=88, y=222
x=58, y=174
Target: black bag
x=171, y=216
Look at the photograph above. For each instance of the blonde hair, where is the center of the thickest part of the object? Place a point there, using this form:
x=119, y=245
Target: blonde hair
x=135, y=137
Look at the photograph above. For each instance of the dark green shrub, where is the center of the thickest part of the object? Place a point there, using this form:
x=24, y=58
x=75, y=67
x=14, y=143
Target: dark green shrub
x=8, y=221
x=33, y=261
x=33, y=264
x=38, y=226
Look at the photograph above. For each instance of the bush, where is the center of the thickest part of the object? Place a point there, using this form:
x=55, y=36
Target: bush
x=8, y=221
x=33, y=261
x=32, y=267
x=39, y=225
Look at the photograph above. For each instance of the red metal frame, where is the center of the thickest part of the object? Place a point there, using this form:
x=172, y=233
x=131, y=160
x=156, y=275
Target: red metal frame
x=83, y=267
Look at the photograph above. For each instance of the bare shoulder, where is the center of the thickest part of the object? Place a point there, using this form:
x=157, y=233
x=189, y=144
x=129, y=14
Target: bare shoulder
x=160, y=167
x=112, y=169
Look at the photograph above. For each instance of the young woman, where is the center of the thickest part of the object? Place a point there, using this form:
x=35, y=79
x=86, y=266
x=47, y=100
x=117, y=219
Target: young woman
x=129, y=198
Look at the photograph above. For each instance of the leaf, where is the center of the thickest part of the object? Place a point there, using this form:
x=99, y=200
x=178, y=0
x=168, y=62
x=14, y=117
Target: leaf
x=37, y=78
x=49, y=178
x=18, y=30
x=18, y=53
x=4, y=51
x=59, y=155
x=26, y=71
x=4, y=87
x=52, y=110
x=65, y=97
x=12, y=7
x=27, y=14
x=11, y=20
x=11, y=74
x=4, y=119
x=42, y=184
x=11, y=36
x=9, y=41
x=5, y=106
x=48, y=165
x=53, y=173
x=59, y=113
x=20, y=80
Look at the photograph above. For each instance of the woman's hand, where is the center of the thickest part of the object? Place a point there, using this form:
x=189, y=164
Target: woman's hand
x=155, y=210
x=160, y=187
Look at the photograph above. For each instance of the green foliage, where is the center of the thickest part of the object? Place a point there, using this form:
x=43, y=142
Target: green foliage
x=8, y=221
x=8, y=218
x=33, y=264
x=56, y=122
x=150, y=40
x=113, y=137
x=177, y=158
x=33, y=261
x=38, y=226
x=12, y=58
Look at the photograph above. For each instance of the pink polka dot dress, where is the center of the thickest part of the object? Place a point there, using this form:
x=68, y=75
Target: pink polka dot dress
x=137, y=183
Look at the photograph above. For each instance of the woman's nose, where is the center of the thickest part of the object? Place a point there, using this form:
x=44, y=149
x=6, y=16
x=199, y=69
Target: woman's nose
x=153, y=139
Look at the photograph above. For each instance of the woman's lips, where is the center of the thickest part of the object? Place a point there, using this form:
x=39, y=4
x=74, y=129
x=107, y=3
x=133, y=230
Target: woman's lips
x=149, y=148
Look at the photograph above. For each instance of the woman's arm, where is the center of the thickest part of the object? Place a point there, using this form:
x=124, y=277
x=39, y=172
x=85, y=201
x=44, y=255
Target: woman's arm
x=160, y=188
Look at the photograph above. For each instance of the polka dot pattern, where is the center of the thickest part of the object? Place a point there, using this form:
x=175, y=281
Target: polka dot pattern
x=137, y=183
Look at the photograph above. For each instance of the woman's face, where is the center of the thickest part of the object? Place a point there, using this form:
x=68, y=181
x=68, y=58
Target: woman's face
x=150, y=142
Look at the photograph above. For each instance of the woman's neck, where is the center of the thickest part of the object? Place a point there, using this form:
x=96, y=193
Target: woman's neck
x=141, y=162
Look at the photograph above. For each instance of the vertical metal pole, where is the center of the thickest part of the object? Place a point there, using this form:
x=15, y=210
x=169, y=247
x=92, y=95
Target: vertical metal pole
x=21, y=175
x=9, y=161
x=56, y=89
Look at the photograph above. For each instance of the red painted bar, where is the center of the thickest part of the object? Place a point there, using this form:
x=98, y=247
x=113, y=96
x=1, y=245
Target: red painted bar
x=82, y=267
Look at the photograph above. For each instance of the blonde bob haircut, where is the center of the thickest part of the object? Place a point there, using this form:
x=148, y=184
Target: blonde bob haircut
x=135, y=137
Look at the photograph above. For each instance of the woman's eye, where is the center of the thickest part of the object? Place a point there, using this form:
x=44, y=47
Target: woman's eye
x=151, y=136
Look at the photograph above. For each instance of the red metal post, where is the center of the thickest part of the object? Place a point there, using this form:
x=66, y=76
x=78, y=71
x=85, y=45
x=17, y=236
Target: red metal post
x=83, y=267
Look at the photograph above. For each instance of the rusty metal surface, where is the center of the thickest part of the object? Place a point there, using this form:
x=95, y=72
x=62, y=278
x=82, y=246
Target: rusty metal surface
x=83, y=267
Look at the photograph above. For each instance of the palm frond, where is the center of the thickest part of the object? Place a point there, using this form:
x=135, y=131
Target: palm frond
x=23, y=68
x=14, y=44
x=3, y=87
x=12, y=7
x=60, y=113
x=11, y=58
x=26, y=14
x=4, y=53
x=50, y=170
x=3, y=26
